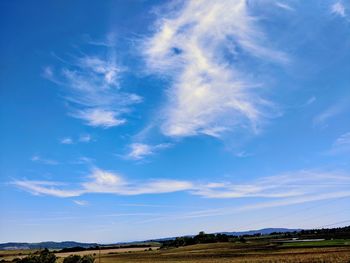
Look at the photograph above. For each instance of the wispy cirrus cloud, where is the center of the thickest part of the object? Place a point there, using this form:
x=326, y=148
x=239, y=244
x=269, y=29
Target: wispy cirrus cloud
x=138, y=151
x=294, y=184
x=330, y=112
x=46, y=188
x=195, y=46
x=285, y=189
x=284, y=6
x=101, y=181
x=92, y=89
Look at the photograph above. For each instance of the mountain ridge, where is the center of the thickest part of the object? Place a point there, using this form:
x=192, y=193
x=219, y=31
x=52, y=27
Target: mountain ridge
x=70, y=244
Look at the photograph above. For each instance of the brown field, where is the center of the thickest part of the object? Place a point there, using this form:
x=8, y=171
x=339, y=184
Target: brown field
x=220, y=252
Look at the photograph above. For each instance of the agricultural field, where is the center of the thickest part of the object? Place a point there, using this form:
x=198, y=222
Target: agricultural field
x=251, y=251
x=236, y=252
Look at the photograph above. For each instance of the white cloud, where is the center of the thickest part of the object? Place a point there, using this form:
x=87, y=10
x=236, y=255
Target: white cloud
x=285, y=189
x=99, y=117
x=67, y=140
x=93, y=89
x=39, y=159
x=139, y=151
x=208, y=94
x=338, y=9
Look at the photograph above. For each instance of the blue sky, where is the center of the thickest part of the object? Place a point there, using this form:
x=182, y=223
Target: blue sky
x=131, y=120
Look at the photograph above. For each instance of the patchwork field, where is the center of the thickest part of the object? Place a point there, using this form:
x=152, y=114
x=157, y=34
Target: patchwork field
x=323, y=251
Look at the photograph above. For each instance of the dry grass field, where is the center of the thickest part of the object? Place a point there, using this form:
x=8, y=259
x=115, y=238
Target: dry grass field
x=217, y=252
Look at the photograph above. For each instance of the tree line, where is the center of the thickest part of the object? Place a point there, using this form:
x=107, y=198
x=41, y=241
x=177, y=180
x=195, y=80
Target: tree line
x=201, y=238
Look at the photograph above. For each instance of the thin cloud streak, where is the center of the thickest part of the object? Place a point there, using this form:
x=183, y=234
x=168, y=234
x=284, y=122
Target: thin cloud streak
x=290, y=188
x=287, y=185
x=284, y=6
x=329, y=113
x=81, y=202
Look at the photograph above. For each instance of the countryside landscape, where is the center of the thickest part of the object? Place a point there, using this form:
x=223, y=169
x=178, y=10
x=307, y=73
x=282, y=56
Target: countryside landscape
x=174, y=131
x=317, y=245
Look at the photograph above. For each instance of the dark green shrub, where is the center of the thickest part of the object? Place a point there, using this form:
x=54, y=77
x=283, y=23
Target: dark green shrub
x=72, y=259
x=87, y=259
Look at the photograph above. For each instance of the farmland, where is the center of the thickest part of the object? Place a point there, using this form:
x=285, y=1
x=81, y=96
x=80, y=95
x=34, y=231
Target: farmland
x=235, y=252
x=314, y=245
x=250, y=251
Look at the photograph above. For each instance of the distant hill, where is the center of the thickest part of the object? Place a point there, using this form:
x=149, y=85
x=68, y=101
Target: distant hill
x=71, y=244
x=49, y=244
x=264, y=231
